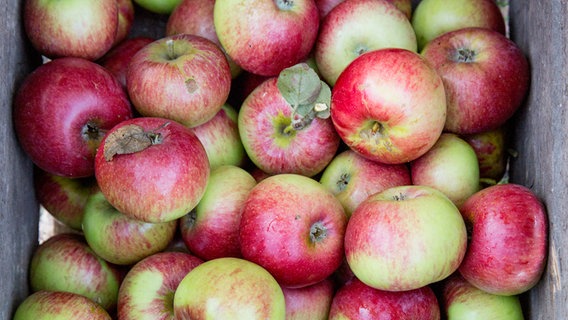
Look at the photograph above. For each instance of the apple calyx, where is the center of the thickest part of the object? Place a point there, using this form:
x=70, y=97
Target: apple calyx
x=308, y=96
x=129, y=139
x=465, y=55
x=284, y=5
x=343, y=181
x=318, y=232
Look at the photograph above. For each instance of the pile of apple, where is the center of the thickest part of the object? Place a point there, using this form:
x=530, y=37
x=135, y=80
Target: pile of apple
x=272, y=159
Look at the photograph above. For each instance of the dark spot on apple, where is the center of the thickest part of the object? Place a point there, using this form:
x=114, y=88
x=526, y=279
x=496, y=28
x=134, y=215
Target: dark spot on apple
x=191, y=85
x=297, y=217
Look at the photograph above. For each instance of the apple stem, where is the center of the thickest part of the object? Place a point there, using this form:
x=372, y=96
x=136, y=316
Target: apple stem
x=171, y=49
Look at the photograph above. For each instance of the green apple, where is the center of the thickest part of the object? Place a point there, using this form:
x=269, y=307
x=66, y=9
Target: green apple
x=158, y=6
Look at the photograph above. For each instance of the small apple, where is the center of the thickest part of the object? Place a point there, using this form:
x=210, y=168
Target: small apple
x=293, y=227
x=389, y=105
x=152, y=169
x=309, y=303
x=508, y=244
x=162, y=7
x=147, y=291
x=125, y=20
x=59, y=305
x=491, y=149
x=181, y=77
x=71, y=28
x=405, y=238
x=229, y=288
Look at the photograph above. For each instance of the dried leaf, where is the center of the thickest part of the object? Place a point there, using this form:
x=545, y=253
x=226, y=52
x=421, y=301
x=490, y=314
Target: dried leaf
x=127, y=139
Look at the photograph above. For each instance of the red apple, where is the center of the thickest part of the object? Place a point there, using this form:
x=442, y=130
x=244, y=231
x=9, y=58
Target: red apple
x=309, y=303
x=63, y=109
x=293, y=227
x=491, y=149
x=125, y=20
x=389, y=105
x=71, y=28
x=181, y=77
x=152, y=169
x=508, y=243
x=59, y=305
x=485, y=74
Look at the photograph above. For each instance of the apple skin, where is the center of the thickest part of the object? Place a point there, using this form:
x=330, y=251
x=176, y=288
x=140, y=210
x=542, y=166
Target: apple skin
x=505, y=213
x=211, y=230
x=461, y=300
x=352, y=178
x=358, y=26
x=356, y=300
x=181, y=77
x=491, y=150
x=325, y=6
x=71, y=28
x=120, y=239
x=65, y=262
x=389, y=105
x=62, y=110
x=59, y=305
x=485, y=74
x=148, y=288
x=405, y=238
x=432, y=18
x=309, y=303
x=262, y=120
x=125, y=20
x=229, y=288
x=162, y=7
x=293, y=227
x=159, y=183
x=450, y=166
x=278, y=35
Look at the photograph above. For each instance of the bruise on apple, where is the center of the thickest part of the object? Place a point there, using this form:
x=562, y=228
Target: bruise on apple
x=130, y=139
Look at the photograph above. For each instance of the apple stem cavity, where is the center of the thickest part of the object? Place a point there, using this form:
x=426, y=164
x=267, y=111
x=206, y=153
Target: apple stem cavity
x=131, y=139
x=465, y=55
x=284, y=5
x=92, y=132
x=318, y=232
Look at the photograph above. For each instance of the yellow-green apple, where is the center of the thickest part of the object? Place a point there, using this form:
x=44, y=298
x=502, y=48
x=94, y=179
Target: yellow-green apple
x=309, y=303
x=272, y=141
x=120, y=239
x=461, y=300
x=147, y=291
x=162, y=7
x=358, y=26
x=63, y=109
x=221, y=139
x=352, y=178
x=125, y=20
x=229, y=288
x=71, y=28
x=389, y=105
x=449, y=166
x=432, y=18
x=325, y=6
x=491, y=149
x=405, y=238
x=196, y=17
x=65, y=262
x=211, y=230
x=181, y=77
x=275, y=35
x=59, y=305
x=152, y=169
x=508, y=244
x=485, y=74
x=356, y=300
x=293, y=227
x=64, y=198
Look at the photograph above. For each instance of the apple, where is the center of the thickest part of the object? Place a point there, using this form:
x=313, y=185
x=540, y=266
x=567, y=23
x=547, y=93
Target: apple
x=221, y=139
x=356, y=300
x=352, y=178
x=71, y=28
x=358, y=26
x=491, y=149
x=162, y=7
x=293, y=227
x=64, y=198
x=116, y=60
x=229, y=288
x=389, y=105
x=125, y=20
x=272, y=142
x=485, y=74
x=432, y=18
x=211, y=230
x=147, y=291
x=461, y=300
x=182, y=77
x=65, y=262
x=405, y=238
x=278, y=35
x=508, y=214
x=309, y=303
x=196, y=17
x=59, y=305
x=62, y=110
x=243, y=85
x=449, y=166
x=120, y=239
x=325, y=6
x=152, y=169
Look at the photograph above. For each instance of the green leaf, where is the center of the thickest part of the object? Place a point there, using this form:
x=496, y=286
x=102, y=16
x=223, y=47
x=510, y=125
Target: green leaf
x=304, y=109
x=299, y=84
x=323, y=102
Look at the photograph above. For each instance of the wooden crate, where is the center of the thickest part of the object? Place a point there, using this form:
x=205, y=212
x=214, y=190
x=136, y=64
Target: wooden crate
x=540, y=28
